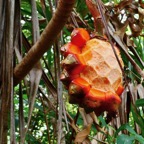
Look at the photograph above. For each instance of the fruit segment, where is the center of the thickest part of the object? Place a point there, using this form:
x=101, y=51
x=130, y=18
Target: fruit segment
x=77, y=69
x=91, y=73
x=79, y=37
x=70, y=60
x=79, y=87
x=120, y=90
x=66, y=78
x=70, y=48
x=96, y=95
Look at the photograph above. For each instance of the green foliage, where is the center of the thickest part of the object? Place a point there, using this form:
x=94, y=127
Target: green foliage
x=129, y=139
x=139, y=102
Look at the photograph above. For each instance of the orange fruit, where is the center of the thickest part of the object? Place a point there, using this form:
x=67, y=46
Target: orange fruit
x=94, y=75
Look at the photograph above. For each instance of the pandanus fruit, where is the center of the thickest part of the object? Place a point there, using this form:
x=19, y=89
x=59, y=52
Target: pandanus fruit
x=91, y=73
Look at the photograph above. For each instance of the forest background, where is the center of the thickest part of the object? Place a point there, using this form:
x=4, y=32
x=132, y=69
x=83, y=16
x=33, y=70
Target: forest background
x=34, y=105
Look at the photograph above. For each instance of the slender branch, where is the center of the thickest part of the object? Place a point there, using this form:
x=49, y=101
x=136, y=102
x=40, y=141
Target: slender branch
x=46, y=40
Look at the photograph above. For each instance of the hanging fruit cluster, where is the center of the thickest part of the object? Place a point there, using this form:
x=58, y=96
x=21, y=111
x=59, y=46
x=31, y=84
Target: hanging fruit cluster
x=91, y=73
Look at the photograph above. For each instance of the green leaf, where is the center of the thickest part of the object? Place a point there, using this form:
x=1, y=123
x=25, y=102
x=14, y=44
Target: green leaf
x=102, y=121
x=38, y=107
x=125, y=139
x=127, y=127
x=132, y=132
x=139, y=102
x=137, y=117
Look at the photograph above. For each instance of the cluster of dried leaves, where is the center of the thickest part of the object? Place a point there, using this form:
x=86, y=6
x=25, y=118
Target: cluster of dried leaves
x=127, y=13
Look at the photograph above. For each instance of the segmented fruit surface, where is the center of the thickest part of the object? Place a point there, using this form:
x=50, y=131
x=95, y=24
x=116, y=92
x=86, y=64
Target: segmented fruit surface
x=91, y=73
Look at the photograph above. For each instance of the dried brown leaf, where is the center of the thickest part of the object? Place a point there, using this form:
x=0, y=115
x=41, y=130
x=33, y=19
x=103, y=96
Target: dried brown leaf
x=82, y=135
x=128, y=41
x=135, y=27
x=98, y=24
x=86, y=117
x=98, y=139
x=133, y=91
x=140, y=90
x=123, y=108
x=93, y=9
x=121, y=29
x=141, y=11
x=74, y=126
x=141, y=3
x=123, y=4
